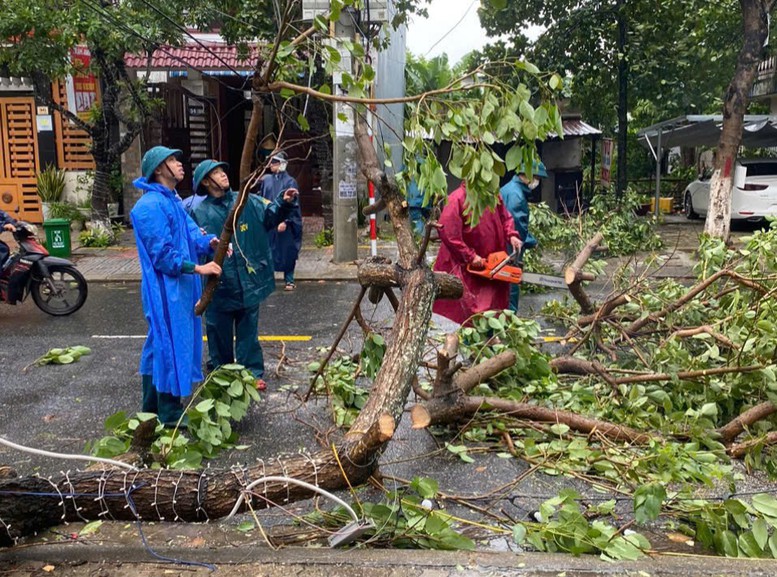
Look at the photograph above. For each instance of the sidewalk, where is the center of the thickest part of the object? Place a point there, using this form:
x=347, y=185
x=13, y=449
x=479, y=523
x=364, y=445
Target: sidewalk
x=120, y=262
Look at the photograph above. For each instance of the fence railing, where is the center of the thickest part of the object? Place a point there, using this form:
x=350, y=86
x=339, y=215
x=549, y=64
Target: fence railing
x=674, y=187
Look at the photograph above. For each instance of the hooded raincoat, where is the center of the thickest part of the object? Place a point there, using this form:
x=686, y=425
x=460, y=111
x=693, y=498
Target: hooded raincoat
x=169, y=244
x=515, y=198
x=460, y=244
x=247, y=277
x=285, y=245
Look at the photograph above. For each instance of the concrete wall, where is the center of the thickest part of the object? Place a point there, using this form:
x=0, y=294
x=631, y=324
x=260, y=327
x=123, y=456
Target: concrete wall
x=559, y=155
x=389, y=83
x=77, y=192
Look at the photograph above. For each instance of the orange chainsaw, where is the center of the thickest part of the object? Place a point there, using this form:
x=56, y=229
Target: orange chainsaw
x=498, y=267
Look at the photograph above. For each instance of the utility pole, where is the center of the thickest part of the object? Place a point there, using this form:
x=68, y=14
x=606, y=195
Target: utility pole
x=344, y=198
x=345, y=160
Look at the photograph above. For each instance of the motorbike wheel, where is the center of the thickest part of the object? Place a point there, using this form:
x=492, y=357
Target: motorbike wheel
x=68, y=293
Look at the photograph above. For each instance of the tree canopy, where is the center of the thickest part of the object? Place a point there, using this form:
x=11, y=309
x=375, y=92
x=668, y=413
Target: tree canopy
x=579, y=41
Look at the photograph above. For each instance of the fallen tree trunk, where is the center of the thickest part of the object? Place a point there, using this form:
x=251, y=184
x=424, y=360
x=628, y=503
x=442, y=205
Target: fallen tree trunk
x=31, y=504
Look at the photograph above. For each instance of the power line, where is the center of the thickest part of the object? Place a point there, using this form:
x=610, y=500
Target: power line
x=453, y=27
x=189, y=34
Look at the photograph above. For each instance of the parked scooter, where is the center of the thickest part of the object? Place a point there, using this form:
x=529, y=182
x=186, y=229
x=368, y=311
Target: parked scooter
x=55, y=284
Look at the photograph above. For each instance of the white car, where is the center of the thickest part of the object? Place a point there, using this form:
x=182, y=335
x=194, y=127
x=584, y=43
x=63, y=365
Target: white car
x=753, y=196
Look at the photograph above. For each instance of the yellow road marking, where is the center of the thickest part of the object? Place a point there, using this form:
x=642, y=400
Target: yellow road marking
x=277, y=338
x=558, y=339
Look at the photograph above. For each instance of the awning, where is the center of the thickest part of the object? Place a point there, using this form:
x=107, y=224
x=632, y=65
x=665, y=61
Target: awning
x=574, y=126
x=758, y=131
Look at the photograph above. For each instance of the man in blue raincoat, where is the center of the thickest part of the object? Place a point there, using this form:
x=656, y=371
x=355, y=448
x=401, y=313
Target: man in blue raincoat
x=286, y=238
x=248, y=275
x=515, y=197
x=169, y=247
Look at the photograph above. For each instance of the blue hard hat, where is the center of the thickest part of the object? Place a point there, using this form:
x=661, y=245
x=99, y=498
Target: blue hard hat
x=537, y=169
x=204, y=169
x=154, y=157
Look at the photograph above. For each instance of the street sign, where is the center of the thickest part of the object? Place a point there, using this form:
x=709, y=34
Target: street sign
x=607, y=145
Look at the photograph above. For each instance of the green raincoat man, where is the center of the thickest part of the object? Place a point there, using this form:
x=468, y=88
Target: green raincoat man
x=247, y=275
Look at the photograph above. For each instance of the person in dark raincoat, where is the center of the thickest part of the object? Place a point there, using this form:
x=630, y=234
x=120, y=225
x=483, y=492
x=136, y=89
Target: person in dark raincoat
x=419, y=212
x=247, y=276
x=286, y=239
x=515, y=196
x=7, y=222
x=169, y=247
x=464, y=245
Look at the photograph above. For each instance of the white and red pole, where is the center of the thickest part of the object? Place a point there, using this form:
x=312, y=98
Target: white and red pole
x=371, y=194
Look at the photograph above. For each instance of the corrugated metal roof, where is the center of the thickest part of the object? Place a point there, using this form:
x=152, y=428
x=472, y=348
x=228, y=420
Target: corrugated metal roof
x=207, y=56
x=576, y=127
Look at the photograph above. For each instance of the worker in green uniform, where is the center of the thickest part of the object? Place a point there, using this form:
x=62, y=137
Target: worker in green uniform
x=247, y=275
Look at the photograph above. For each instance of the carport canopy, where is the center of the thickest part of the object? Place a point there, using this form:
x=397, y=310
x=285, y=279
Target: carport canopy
x=758, y=131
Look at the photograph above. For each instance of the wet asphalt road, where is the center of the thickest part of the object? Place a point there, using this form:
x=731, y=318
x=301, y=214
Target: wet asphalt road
x=60, y=407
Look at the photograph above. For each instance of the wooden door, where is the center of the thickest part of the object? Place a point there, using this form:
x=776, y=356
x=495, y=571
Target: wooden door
x=19, y=162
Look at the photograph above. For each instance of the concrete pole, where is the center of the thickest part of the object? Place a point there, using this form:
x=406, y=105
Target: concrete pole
x=344, y=205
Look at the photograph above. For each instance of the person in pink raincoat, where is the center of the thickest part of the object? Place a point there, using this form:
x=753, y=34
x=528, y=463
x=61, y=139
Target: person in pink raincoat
x=464, y=245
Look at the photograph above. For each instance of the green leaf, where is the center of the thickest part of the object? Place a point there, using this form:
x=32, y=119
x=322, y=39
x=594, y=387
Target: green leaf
x=514, y=157
x=519, y=534
x=204, y=406
x=498, y=4
x=235, y=389
x=90, y=528
x=760, y=532
x=116, y=420
x=647, y=502
x=246, y=526
x=559, y=429
x=726, y=542
x=765, y=504
x=749, y=546
x=426, y=487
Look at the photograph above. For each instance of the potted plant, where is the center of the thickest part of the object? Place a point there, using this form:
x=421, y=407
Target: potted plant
x=51, y=185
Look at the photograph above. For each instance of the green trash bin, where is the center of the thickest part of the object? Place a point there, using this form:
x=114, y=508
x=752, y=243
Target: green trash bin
x=58, y=236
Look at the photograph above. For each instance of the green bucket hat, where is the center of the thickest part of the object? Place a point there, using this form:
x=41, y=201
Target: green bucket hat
x=156, y=156
x=204, y=169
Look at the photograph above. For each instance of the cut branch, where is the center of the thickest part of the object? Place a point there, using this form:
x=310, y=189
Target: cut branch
x=732, y=430
x=742, y=449
x=439, y=411
x=574, y=275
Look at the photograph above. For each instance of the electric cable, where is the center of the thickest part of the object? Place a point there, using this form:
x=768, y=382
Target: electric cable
x=293, y=481
x=66, y=456
x=452, y=28
x=189, y=34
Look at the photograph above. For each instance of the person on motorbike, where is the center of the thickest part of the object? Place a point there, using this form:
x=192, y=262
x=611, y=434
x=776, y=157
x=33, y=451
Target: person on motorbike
x=232, y=319
x=170, y=246
x=7, y=222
